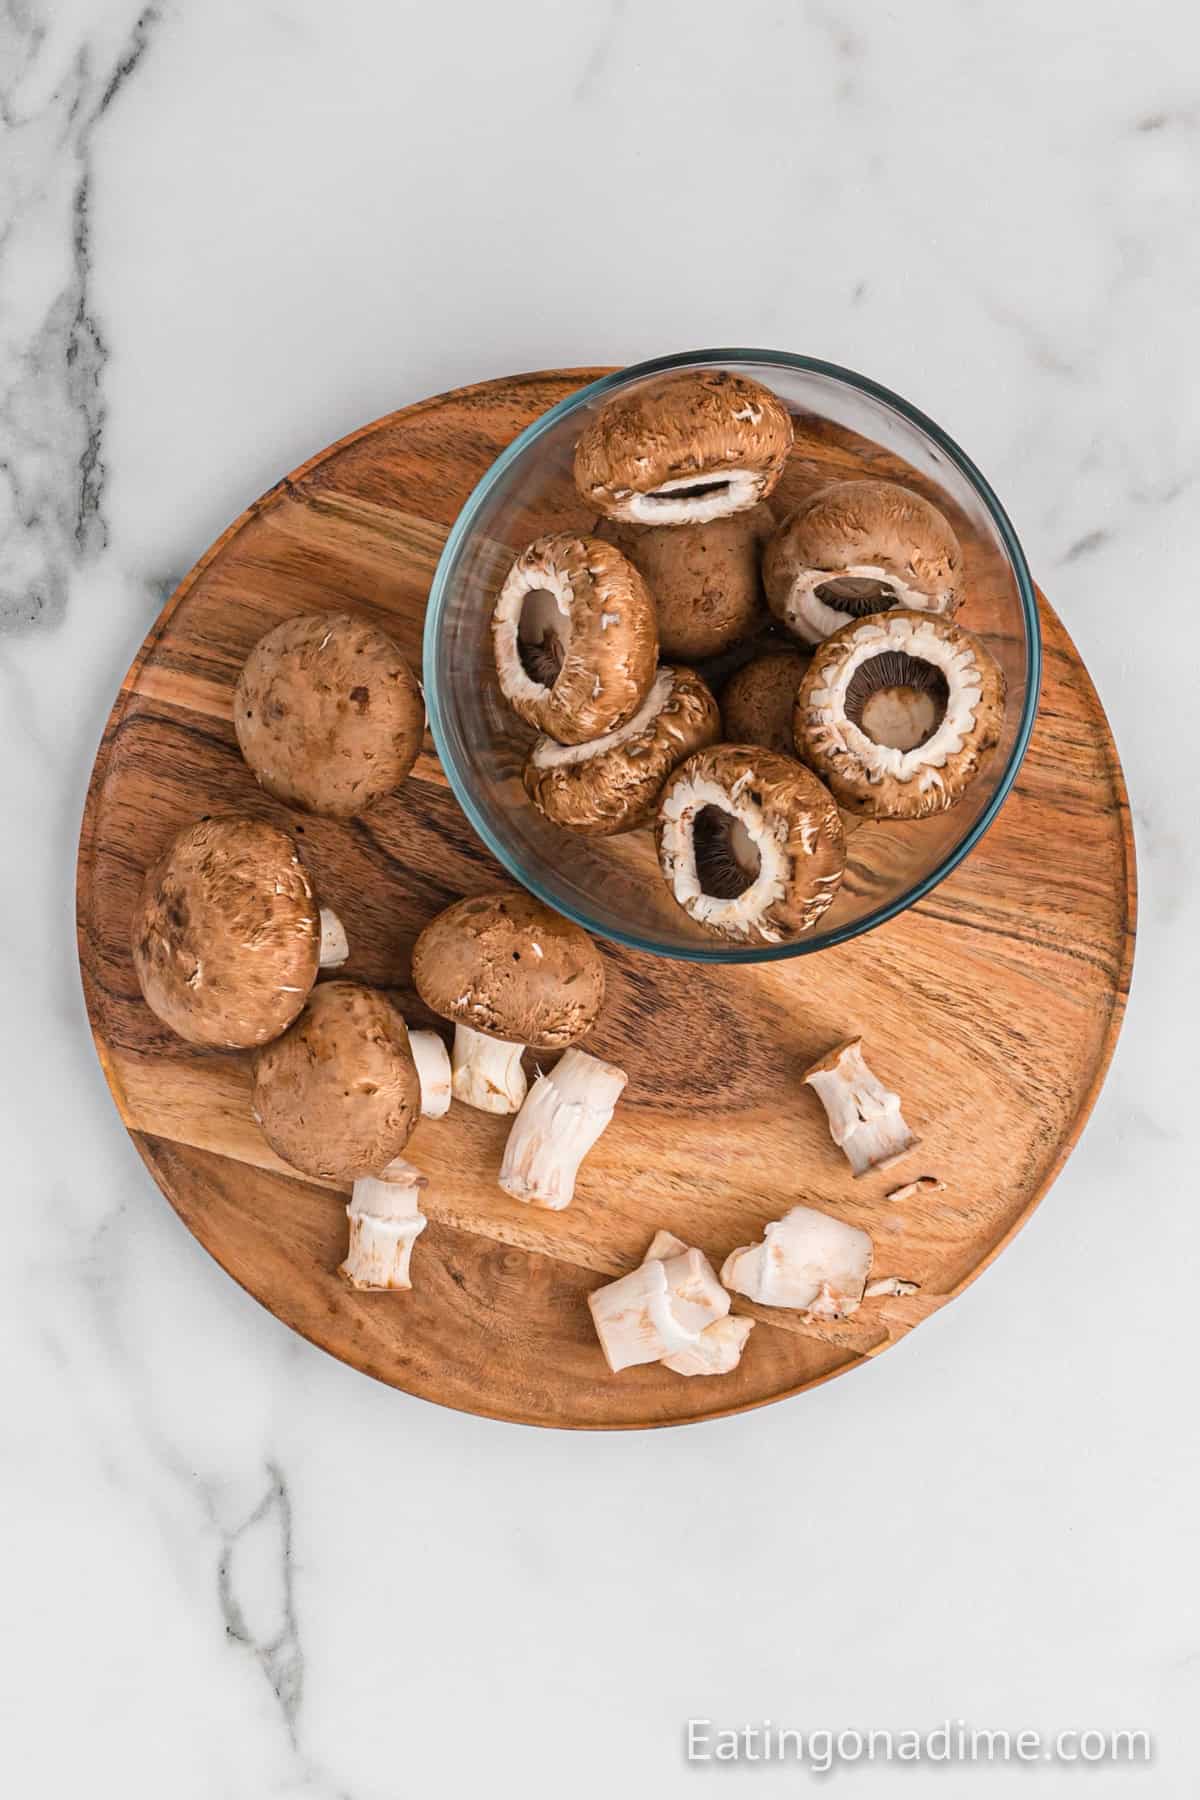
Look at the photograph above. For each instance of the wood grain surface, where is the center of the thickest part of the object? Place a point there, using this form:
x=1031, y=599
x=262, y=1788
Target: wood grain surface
x=992, y=1006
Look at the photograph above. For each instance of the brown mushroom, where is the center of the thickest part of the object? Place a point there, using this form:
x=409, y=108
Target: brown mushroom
x=898, y=712
x=226, y=934
x=508, y=973
x=750, y=843
x=857, y=548
x=683, y=449
x=338, y=1094
x=612, y=784
x=328, y=714
x=705, y=579
x=758, y=703
x=574, y=637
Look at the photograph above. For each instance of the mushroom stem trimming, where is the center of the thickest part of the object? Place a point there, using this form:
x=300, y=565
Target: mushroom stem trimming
x=563, y=1117
x=487, y=1071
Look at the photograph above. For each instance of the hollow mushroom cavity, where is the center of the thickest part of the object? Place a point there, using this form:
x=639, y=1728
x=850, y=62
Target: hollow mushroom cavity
x=507, y=973
x=749, y=843
x=859, y=548
x=574, y=637
x=898, y=713
x=683, y=449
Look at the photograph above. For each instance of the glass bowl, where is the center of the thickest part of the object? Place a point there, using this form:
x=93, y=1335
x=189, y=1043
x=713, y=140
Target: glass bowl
x=846, y=425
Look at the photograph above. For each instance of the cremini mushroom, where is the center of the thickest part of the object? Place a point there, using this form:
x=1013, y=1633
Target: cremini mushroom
x=328, y=714
x=574, y=637
x=749, y=843
x=807, y=1260
x=562, y=1117
x=338, y=1094
x=758, y=704
x=897, y=714
x=226, y=936
x=612, y=783
x=864, y=1116
x=856, y=548
x=706, y=579
x=665, y=1310
x=507, y=973
x=683, y=449
x=385, y=1222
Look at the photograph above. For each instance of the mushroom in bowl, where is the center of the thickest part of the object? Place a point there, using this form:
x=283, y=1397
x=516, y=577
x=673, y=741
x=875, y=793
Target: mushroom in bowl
x=856, y=548
x=508, y=973
x=750, y=843
x=898, y=712
x=758, y=703
x=328, y=714
x=706, y=579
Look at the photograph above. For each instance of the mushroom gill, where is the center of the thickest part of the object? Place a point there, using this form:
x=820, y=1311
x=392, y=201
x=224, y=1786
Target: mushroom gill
x=856, y=595
x=727, y=860
x=897, y=700
x=542, y=632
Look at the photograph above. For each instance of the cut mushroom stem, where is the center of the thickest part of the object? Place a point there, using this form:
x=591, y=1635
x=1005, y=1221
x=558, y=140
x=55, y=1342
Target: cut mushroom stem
x=717, y=1350
x=563, y=1117
x=924, y=1184
x=890, y=1284
x=806, y=1260
x=385, y=1222
x=433, y=1070
x=865, y=1120
x=335, y=946
x=487, y=1071
x=665, y=1308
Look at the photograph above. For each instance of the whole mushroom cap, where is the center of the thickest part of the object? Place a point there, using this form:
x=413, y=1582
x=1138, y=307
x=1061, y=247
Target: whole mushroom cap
x=705, y=579
x=510, y=968
x=328, y=714
x=758, y=703
x=226, y=933
x=612, y=784
x=883, y=536
x=338, y=1094
x=684, y=448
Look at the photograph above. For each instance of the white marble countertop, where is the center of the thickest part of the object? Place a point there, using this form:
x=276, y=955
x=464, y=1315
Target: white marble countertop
x=231, y=230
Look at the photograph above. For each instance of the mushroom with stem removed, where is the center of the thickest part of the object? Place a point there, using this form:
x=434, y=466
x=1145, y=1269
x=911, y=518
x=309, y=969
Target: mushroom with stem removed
x=564, y=1114
x=683, y=449
x=864, y=1116
x=750, y=843
x=507, y=972
x=807, y=1260
x=385, y=1222
x=574, y=637
x=705, y=579
x=857, y=548
x=328, y=714
x=612, y=783
x=670, y=1309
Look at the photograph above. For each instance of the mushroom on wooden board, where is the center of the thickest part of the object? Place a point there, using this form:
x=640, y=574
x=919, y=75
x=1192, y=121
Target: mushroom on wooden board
x=670, y=1309
x=338, y=1094
x=385, y=1222
x=612, y=783
x=898, y=713
x=508, y=973
x=574, y=637
x=859, y=548
x=750, y=843
x=706, y=580
x=561, y=1119
x=758, y=704
x=807, y=1260
x=865, y=1120
x=328, y=714
x=226, y=934
x=683, y=449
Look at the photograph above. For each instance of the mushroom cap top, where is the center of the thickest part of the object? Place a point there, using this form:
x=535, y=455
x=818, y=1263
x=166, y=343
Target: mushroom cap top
x=705, y=579
x=868, y=523
x=604, y=619
x=612, y=784
x=226, y=933
x=687, y=427
x=509, y=967
x=328, y=714
x=338, y=1094
x=757, y=703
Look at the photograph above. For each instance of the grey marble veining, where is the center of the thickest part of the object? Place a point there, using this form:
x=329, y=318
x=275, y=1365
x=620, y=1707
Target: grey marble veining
x=230, y=232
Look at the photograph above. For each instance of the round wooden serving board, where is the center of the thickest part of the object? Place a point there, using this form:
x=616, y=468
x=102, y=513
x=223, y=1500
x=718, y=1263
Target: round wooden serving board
x=993, y=1006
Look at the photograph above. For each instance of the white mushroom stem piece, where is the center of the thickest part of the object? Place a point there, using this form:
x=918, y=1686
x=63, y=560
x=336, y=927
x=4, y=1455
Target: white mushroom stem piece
x=806, y=1260
x=924, y=1184
x=717, y=1350
x=890, y=1284
x=565, y=1114
x=433, y=1070
x=665, y=1308
x=335, y=946
x=864, y=1117
x=487, y=1071
x=385, y=1222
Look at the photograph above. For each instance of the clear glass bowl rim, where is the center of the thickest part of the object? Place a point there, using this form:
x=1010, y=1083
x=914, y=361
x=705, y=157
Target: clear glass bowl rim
x=594, y=390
